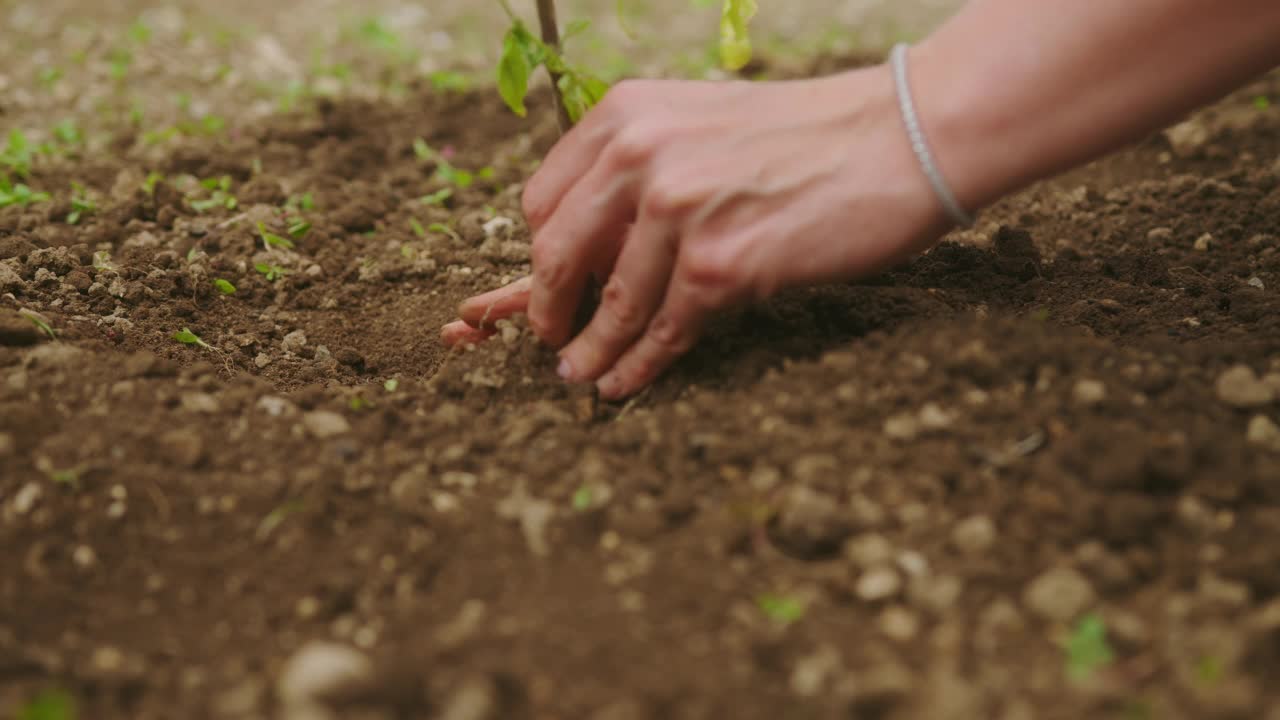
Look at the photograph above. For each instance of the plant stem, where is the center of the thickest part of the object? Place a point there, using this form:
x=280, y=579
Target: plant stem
x=551, y=36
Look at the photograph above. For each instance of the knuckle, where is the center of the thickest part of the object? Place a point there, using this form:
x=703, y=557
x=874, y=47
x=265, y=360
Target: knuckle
x=667, y=335
x=533, y=205
x=664, y=200
x=704, y=267
x=634, y=145
x=549, y=266
x=619, y=305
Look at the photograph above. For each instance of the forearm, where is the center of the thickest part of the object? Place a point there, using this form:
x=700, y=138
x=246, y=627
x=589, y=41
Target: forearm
x=1011, y=91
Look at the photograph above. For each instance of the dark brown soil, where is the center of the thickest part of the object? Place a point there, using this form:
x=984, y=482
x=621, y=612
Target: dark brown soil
x=892, y=499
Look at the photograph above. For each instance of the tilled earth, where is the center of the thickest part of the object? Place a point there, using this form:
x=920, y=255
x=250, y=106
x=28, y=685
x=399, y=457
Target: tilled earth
x=1033, y=474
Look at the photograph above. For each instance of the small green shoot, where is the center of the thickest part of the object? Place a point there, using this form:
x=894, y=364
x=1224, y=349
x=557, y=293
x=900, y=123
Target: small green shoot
x=445, y=171
x=149, y=185
x=417, y=228
x=582, y=498
x=1087, y=648
x=50, y=76
x=358, y=403
x=735, y=41
x=19, y=194
x=81, y=204
x=139, y=32
x=445, y=229
x=270, y=239
x=102, y=261
x=271, y=272
x=186, y=337
x=438, y=197
x=49, y=705
x=298, y=228
x=1262, y=102
x=391, y=385
x=119, y=60
x=40, y=324
x=1209, y=670
x=781, y=609
x=68, y=133
x=448, y=81
x=276, y=517
x=224, y=286
x=17, y=155
x=69, y=477
x=219, y=195
x=1041, y=315
x=304, y=202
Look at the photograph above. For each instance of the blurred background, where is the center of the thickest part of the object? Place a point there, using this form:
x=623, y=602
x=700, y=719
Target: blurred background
x=165, y=69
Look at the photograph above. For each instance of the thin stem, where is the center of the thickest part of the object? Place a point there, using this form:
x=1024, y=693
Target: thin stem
x=551, y=36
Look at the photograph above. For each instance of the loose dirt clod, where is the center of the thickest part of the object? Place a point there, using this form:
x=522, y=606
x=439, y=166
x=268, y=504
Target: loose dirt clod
x=1241, y=387
x=1059, y=595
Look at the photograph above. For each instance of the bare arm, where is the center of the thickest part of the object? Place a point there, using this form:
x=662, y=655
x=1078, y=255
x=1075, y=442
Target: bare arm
x=1011, y=91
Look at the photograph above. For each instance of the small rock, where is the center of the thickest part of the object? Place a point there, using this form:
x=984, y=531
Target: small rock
x=262, y=360
x=814, y=671
x=880, y=583
x=1204, y=243
x=349, y=357
x=26, y=498
x=933, y=417
x=324, y=424
x=533, y=514
x=1256, y=282
x=107, y=659
x=811, y=524
x=84, y=557
x=499, y=227
x=7, y=445
x=1059, y=594
x=274, y=405
x=1160, y=234
x=198, y=402
x=319, y=670
x=868, y=551
x=475, y=699
x=1088, y=393
x=1223, y=592
x=898, y=623
x=294, y=342
x=1187, y=138
x=1240, y=387
x=10, y=280
x=182, y=447
x=974, y=535
x=902, y=426
x=1263, y=432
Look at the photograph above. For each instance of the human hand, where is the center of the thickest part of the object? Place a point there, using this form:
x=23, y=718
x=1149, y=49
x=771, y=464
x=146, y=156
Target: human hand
x=694, y=197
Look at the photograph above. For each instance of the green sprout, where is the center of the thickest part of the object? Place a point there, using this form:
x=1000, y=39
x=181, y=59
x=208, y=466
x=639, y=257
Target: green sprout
x=224, y=286
x=19, y=194
x=1209, y=670
x=102, y=261
x=417, y=228
x=303, y=202
x=445, y=230
x=40, y=324
x=49, y=705
x=219, y=195
x=271, y=240
x=448, y=81
x=583, y=498
x=81, y=204
x=271, y=272
x=298, y=228
x=149, y=185
x=50, y=76
x=1262, y=102
x=69, y=477
x=1087, y=648
x=735, y=41
x=781, y=609
x=445, y=171
x=186, y=337
x=17, y=154
x=277, y=516
x=119, y=61
x=438, y=197
x=391, y=385
x=68, y=133
x=139, y=32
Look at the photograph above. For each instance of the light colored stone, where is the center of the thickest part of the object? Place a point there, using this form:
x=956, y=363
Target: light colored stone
x=974, y=535
x=1204, y=243
x=324, y=424
x=902, y=426
x=898, y=623
x=294, y=341
x=198, y=402
x=1088, y=393
x=1059, y=594
x=475, y=699
x=262, y=360
x=7, y=445
x=868, y=551
x=10, y=280
x=879, y=583
x=26, y=498
x=1256, y=282
x=84, y=557
x=1240, y=387
x=274, y=405
x=933, y=417
x=320, y=669
x=1160, y=234
x=1263, y=432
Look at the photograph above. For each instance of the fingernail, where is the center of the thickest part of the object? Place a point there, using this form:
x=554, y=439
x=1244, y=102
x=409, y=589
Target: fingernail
x=609, y=386
x=565, y=370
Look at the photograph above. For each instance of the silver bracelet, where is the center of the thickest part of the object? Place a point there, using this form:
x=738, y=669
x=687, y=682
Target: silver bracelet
x=898, y=61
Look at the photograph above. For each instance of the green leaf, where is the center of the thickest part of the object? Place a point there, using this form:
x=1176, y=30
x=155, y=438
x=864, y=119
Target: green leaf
x=582, y=498
x=49, y=705
x=298, y=227
x=735, y=38
x=39, y=322
x=521, y=53
x=422, y=149
x=186, y=337
x=273, y=240
x=438, y=197
x=573, y=29
x=391, y=385
x=417, y=228
x=225, y=287
x=1087, y=648
x=781, y=608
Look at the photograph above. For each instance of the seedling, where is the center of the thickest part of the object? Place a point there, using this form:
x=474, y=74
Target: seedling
x=391, y=385
x=582, y=498
x=270, y=239
x=149, y=185
x=19, y=194
x=81, y=204
x=17, y=154
x=448, y=81
x=224, y=286
x=49, y=705
x=271, y=272
x=1087, y=648
x=417, y=228
x=68, y=133
x=119, y=60
x=782, y=609
x=102, y=261
x=1209, y=670
x=186, y=337
x=445, y=171
x=298, y=228
x=69, y=477
x=1262, y=102
x=304, y=202
x=277, y=516
x=446, y=230
x=438, y=197
x=39, y=322
x=219, y=195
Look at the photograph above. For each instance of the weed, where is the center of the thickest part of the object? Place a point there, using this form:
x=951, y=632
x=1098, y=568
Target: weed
x=448, y=81
x=277, y=516
x=219, y=195
x=119, y=60
x=304, y=202
x=102, y=261
x=49, y=705
x=186, y=337
x=445, y=171
x=17, y=154
x=438, y=197
x=139, y=32
x=81, y=204
x=149, y=185
x=40, y=323
x=271, y=272
x=782, y=609
x=224, y=286
x=298, y=228
x=1087, y=648
x=68, y=133
x=582, y=498
x=19, y=194
x=417, y=228
x=446, y=230
x=270, y=239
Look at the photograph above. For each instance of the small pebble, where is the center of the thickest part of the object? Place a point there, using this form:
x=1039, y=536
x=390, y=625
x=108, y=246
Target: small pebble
x=1160, y=234
x=1263, y=432
x=1088, y=393
x=198, y=402
x=880, y=583
x=319, y=669
x=84, y=557
x=324, y=424
x=868, y=551
x=1204, y=243
x=1256, y=282
x=974, y=535
x=26, y=498
x=294, y=341
x=1240, y=387
x=898, y=623
x=1059, y=594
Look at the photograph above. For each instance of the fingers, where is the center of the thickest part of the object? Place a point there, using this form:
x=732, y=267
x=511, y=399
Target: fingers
x=583, y=234
x=482, y=311
x=675, y=328
x=632, y=295
x=459, y=332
